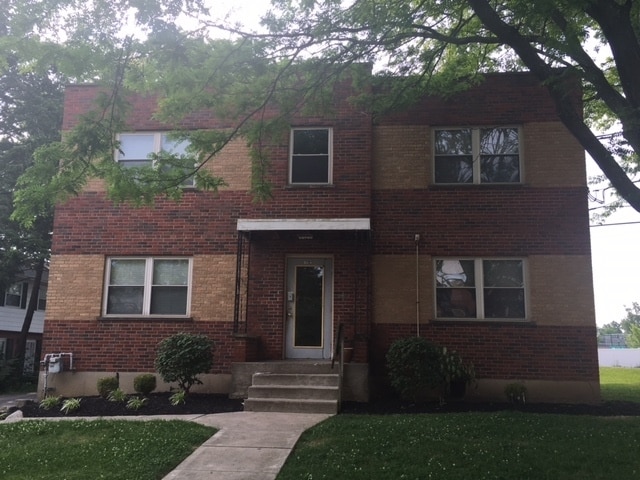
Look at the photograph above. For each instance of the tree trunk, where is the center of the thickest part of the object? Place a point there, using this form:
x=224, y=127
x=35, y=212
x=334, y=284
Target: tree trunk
x=21, y=345
x=570, y=118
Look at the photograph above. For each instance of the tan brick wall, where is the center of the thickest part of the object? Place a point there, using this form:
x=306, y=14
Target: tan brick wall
x=401, y=156
x=76, y=287
x=233, y=164
x=213, y=287
x=394, y=289
x=552, y=156
x=559, y=288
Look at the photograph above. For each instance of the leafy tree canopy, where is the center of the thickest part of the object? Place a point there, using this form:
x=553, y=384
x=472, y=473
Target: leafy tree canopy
x=304, y=45
x=30, y=116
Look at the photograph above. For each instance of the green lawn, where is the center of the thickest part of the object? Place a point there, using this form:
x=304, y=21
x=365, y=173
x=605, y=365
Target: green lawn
x=101, y=449
x=620, y=384
x=503, y=445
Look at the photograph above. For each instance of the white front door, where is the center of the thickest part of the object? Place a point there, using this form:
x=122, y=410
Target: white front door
x=309, y=306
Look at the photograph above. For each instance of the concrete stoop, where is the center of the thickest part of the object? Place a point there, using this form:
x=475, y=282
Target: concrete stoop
x=294, y=393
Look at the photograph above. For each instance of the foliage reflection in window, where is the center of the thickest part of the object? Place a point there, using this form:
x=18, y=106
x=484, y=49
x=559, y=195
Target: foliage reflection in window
x=473, y=155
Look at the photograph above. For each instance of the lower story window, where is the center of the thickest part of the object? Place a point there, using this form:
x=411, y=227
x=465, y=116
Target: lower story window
x=480, y=288
x=148, y=286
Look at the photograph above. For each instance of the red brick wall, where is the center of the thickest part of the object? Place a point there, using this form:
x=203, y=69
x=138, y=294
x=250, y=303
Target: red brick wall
x=269, y=251
x=504, y=98
x=479, y=221
x=503, y=350
x=483, y=220
x=130, y=346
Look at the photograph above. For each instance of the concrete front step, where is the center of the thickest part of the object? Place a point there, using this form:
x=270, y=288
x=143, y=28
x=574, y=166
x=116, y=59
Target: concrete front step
x=297, y=379
x=290, y=405
x=294, y=392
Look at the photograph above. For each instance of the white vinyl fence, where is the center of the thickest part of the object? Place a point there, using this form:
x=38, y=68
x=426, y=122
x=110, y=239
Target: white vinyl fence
x=619, y=357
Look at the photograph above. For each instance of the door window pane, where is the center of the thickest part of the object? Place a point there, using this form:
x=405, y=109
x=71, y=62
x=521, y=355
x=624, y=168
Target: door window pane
x=309, y=312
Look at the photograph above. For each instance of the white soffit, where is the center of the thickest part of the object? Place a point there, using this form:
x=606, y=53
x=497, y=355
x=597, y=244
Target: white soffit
x=279, y=224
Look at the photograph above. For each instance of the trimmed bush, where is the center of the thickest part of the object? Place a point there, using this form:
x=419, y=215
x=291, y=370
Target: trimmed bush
x=415, y=366
x=106, y=385
x=183, y=356
x=144, y=383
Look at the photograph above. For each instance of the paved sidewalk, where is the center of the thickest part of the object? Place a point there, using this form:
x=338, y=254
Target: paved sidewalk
x=8, y=401
x=248, y=446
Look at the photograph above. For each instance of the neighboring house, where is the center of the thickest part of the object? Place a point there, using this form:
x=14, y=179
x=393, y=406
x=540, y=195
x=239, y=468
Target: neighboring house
x=462, y=220
x=13, y=306
x=612, y=340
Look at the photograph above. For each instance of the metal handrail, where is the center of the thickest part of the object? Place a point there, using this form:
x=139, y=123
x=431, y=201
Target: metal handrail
x=338, y=350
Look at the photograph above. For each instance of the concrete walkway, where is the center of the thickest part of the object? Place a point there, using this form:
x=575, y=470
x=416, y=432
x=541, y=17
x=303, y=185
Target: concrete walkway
x=247, y=446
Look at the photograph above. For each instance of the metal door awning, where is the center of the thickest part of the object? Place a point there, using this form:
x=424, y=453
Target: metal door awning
x=281, y=224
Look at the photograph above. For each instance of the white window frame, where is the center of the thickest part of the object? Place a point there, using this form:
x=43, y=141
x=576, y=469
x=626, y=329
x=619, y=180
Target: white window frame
x=329, y=154
x=148, y=286
x=20, y=286
x=42, y=298
x=476, y=154
x=3, y=348
x=157, y=147
x=479, y=289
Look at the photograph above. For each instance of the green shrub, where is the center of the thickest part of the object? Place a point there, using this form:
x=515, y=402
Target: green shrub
x=415, y=366
x=70, y=405
x=178, y=398
x=117, y=396
x=144, y=383
x=516, y=393
x=48, y=403
x=183, y=356
x=136, y=403
x=106, y=385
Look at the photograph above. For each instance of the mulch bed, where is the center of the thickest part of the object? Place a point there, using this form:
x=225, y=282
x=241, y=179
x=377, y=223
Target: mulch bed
x=158, y=404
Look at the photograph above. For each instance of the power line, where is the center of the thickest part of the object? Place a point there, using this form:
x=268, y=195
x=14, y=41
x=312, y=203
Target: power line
x=612, y=224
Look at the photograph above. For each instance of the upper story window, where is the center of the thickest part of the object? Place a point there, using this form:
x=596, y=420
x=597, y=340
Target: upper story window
x=16, y=295
x=148, y=286
x=477, y=155
x=137, y=149
x=480, y=288
x=42, y=298
x=310, y=156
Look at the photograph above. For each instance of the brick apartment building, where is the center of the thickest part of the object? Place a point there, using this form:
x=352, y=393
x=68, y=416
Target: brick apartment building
x=462, y=220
